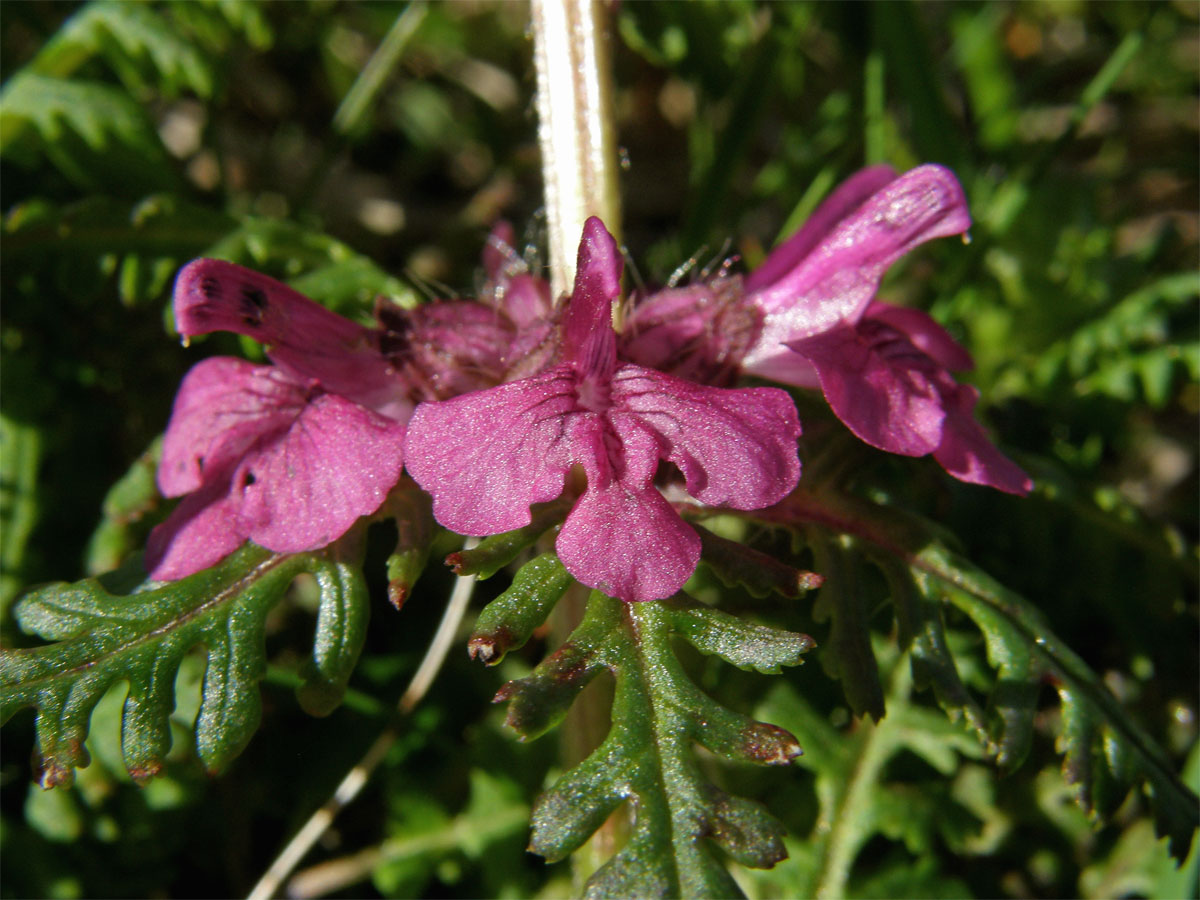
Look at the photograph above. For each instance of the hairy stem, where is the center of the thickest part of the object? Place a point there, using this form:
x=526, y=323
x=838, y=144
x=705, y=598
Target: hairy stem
x=579, y=166
x=575, y=125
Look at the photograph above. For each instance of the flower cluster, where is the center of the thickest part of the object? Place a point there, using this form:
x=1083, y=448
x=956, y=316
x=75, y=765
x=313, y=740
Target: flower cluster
x=495, y=404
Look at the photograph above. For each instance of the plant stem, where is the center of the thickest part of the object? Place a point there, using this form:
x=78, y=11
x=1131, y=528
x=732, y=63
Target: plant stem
x=850, y=826
x=579, y=170
x=575, y=125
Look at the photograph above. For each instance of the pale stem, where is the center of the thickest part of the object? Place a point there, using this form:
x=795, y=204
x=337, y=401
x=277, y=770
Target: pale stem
x=579, y=167
x=575, y=125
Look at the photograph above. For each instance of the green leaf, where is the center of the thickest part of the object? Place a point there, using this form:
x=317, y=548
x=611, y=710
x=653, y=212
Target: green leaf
x=1127, y=350
x=214, y=23
x=412, y=511
x=509, y=621
x=857, y=798
x=346, y=282
x=759, y=573
x=425, y=835
x=923, y=631
x=494, y=553
x=161, y=231
x=100, y=638
x=1104, y=748
x=20, y=453
x=841, y=601
x=755, y=648
x=127, y=34
x=342, y=279
x=658, y=715
x=94, y=134
x=341, y=630
x=127, y=505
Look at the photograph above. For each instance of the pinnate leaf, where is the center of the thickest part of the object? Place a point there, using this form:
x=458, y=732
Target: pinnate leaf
x=759, y=573
x=126, y=506
x=1104, y=750
x=859, y=798
x=842, y=603
x=91, y=132
x=647, y=757
x=100, y=638
x=1129, y=351
x=495, y=552
x=126, y=34
x=412, y=512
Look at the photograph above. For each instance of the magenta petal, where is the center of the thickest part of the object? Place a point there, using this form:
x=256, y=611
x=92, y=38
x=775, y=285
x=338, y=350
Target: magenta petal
x=846, y=198
x=968, y=454
x=526, y=300
x=336, y=463
x=881, y=391
x=202, y=530
x=700, y=332
x=789, y=368
x=223, y=406
x=925, y=333
x=486, y=456
x=837, y=280
x=303, y=337
x=589, y=342
x=670, y=323
x=214, y=295
x=523, y=297
x=628, y=542
x=735, y=447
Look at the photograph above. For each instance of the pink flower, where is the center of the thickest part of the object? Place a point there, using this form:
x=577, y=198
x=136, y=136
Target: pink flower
x=289, y=455
x=486, y=456
x=448, y=348
x=303, y=338
x=700, y=332
x=884, y=370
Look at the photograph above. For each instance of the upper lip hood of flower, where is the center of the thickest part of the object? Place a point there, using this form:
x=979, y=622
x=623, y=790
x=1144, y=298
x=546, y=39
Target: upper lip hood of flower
x=302, y=337
x=829, y=271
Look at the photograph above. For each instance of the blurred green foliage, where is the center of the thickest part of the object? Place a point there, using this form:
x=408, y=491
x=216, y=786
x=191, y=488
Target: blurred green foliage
x=136, y=136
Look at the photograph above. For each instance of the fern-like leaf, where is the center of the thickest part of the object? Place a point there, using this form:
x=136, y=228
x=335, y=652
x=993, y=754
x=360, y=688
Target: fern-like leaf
x=1125, y=352
x=1105, y=752
x=857, y=799
x=156, y=235
x=127, y=507
x=648, y=756
x=100, y=638
x=340, y=278
x=132, y=37
x=94, y=134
